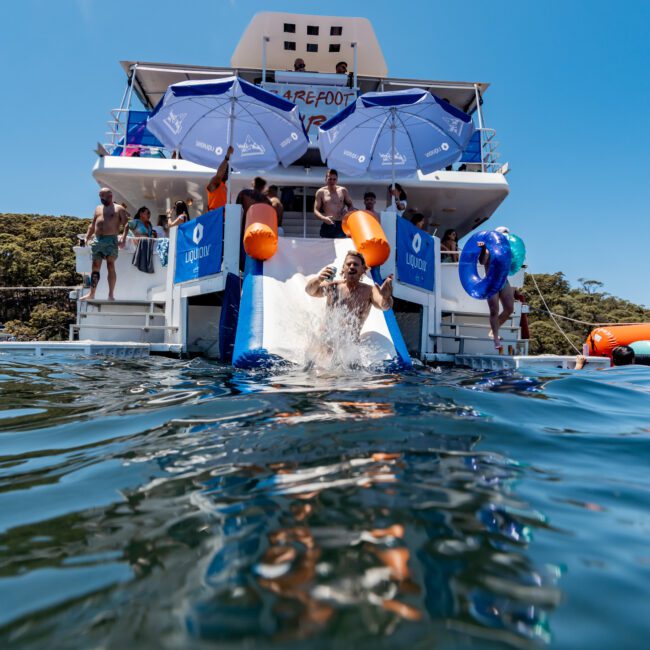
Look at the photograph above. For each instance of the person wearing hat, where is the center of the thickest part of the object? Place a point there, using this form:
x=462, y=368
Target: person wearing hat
x=506, y=296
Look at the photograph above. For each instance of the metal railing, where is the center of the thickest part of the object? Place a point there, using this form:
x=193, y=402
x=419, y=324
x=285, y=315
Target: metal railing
x=117, y=136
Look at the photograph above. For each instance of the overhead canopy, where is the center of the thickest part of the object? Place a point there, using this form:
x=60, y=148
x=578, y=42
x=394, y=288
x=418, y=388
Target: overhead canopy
x=321, y=41
x=153, y=79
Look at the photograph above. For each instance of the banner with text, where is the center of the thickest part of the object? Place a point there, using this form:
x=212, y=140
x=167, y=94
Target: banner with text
x=199, y=247
x=315, y=103
x=415, y=256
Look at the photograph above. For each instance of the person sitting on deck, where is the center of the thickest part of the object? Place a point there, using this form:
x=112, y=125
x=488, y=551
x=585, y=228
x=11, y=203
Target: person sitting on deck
x=449, y=243
x=140, y=225
x=349, y=295
x=182, y=214
x=332, y=203
x=218, y=185
x=106, y=224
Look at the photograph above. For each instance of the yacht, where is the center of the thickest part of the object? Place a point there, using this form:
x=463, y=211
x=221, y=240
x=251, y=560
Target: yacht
x=441, y=323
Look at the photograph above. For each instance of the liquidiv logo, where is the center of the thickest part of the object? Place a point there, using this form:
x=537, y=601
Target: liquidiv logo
x=195, y=254
x=417, y=242
x=415, y=256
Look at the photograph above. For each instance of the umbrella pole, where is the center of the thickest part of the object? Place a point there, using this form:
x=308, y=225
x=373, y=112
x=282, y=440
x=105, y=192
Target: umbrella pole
x=393, y=202
x=231, y=124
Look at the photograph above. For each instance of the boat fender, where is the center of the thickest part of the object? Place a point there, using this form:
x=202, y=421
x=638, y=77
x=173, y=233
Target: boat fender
x=603, y=340
x=500, y=260
x=261, y=231
x=518, y=249
x=368, y=236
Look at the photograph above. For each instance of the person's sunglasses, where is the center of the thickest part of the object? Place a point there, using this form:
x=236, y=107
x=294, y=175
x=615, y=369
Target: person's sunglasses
x=300, y=66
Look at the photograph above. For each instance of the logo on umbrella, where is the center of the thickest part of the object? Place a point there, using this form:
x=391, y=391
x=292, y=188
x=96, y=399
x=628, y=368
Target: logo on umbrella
x=174, y=122
x=251, y=148
x=417, y=242
x=454, y=125
x=197, y=235
x=436, y=150
x=292, y=138
x=397, y=159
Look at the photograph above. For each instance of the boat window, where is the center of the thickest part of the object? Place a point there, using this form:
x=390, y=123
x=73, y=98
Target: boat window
x=289, y=28
x=336, y=31
x=335, y=47
x=312, y=30
x=312, y=47
x=289, y=45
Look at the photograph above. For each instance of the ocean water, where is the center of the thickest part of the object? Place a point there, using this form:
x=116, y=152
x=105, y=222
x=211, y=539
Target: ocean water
x=170, y=504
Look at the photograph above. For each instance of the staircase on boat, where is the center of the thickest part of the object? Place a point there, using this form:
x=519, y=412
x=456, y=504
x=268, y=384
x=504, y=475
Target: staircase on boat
x=469, y=333
x=141, y=321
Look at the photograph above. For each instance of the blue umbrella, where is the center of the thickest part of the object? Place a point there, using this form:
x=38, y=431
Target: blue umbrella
x=391, y=133
x=201, y=119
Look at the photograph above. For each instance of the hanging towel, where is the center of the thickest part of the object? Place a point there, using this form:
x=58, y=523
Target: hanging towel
x=162, y=248
x=143, y=256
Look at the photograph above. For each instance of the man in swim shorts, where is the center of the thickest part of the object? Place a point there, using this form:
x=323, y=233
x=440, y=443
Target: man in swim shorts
x=351, y=296
x=332, y=203
x=106, y=224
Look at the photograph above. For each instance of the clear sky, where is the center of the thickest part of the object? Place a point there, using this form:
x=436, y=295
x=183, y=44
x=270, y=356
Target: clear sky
x=569, y=98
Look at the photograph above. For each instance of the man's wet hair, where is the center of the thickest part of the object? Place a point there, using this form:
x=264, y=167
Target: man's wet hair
x=273, y=188
x=369, y=195
x=332, y=171
x=259, y=183
x=623, y=355
x=357, y=254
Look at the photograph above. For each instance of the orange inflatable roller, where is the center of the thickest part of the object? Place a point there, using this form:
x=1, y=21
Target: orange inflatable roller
x=368, y=236
x=261, y=231
x=603, y=340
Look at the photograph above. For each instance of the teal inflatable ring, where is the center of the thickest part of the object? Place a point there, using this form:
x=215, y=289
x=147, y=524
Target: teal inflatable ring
x=518, y=249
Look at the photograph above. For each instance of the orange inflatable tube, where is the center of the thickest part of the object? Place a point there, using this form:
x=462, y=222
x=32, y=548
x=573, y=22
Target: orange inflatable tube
x=261, y=231
x=368, y=236
x=603, y=340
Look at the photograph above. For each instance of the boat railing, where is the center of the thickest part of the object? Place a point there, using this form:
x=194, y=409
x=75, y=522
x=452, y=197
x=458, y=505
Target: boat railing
x=118, y=143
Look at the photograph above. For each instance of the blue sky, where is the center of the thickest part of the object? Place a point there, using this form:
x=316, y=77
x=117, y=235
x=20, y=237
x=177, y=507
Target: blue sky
x=569, y=98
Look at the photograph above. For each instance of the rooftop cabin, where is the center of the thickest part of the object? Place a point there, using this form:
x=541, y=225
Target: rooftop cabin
x=137, y=168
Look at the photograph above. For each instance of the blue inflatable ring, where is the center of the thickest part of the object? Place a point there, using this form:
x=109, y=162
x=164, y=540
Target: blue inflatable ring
x=500, y=261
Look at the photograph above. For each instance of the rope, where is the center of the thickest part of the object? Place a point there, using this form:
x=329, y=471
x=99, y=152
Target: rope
x=552, y=315
x=581, y=322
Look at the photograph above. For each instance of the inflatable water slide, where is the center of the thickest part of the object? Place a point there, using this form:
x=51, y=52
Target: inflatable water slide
x=278, y=321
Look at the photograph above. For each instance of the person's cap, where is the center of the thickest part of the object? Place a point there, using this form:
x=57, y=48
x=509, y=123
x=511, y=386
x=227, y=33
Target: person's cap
x=503, y=230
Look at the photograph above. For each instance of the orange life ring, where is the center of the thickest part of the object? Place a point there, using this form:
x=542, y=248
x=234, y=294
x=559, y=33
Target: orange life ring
x=368, y=236
x=603, y=340
x=261, y=231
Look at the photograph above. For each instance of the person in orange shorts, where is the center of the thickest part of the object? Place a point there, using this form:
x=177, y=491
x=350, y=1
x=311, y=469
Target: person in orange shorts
x=218, y=186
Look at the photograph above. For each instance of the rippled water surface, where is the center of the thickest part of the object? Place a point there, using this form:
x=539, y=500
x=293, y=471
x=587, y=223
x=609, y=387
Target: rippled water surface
x=167, y=504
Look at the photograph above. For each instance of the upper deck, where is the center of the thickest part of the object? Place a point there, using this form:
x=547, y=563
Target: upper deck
x=461, y=196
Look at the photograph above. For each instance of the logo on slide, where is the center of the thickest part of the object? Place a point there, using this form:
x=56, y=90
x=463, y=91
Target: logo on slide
x=417, y=242
x=197, y=235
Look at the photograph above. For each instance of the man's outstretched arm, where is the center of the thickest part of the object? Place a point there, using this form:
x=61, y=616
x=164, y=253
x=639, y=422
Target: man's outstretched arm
x=217, y=179
x=382, y=297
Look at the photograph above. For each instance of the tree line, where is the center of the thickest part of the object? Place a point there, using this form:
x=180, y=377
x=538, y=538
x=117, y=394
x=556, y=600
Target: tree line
x=36, y=250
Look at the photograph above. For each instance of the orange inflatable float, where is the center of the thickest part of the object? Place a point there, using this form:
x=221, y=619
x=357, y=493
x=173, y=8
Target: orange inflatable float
x=603, y=340
x=368, y=236
x=261, y=231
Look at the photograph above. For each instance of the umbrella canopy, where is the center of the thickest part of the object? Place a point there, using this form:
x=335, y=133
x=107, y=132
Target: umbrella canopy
x=395, y=133
x=201, y=119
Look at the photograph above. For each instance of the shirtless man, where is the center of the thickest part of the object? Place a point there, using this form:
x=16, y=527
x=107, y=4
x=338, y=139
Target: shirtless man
x=351, y=296
x=369, y=200
x=272, y=195
x=106, y=223
x=332, y=203
x=251, y=196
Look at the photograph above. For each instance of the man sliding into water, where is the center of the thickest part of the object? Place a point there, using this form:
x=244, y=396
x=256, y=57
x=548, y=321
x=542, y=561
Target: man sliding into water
x=349, y=300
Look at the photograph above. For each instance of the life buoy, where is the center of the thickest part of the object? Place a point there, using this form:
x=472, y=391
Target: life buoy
x=603, y=340
x=518, y=249
x=500, y=261
x=368, y=236
x=261, y=231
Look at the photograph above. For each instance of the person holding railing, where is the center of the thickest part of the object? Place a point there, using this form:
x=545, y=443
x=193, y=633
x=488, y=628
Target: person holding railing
x=449, y=244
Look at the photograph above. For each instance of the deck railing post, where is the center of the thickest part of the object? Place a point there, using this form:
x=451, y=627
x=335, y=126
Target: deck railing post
x=265, y=40
x=479, y=113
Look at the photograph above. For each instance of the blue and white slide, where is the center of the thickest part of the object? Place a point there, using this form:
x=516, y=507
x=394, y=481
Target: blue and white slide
x=278, y=320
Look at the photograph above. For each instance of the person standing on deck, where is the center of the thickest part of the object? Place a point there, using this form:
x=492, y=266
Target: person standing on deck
x=369, y=201
x=218, y=187
x=505, y=296
x=272, y=194
x=332, y=203
x=105, y=226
